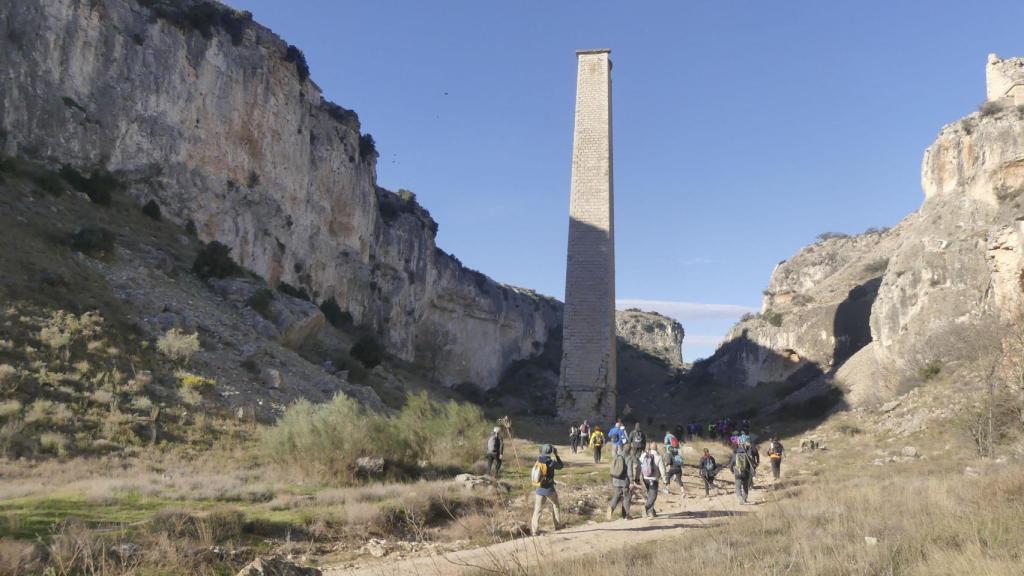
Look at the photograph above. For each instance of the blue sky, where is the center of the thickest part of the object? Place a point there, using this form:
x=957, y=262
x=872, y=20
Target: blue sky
x=742, y=129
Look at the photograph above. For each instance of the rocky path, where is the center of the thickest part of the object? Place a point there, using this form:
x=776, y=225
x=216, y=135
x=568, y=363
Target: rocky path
x=675, y=514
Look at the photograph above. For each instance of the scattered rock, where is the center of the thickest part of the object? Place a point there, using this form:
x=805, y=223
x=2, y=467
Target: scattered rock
x=277, y=566
x=376, y=547
x=910, y=452
x=370, y=466
x=871, y=541
x=126, y=550
x=973, y=472
x=474, y=482
x=889, y=406
x=272, y=378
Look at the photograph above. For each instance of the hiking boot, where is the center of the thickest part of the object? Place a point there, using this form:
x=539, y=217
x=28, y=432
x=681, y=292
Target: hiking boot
x=654, y=513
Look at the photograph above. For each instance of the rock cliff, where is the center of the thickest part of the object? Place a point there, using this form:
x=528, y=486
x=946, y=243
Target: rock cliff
x=872, y=310
x=650, y=332
x=214, y=117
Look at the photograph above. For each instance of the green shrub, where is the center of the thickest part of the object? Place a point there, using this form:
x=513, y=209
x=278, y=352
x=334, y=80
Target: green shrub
x=260, y=301
x=990, y=108
x=831, y=235
x=367, y=147
x=289, y=290
x=294, y=55
x=930, y=371
x=323, y=442
x=192, y=381
x=773, y=318
x=368, y=351
x=214, y=261
x=179, y=347
x=151, y=209
x=50, y=183
x=876, y=267
x=99, y=186
x=92, y=240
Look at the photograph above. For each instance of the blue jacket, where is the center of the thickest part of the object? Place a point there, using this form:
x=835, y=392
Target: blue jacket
x=617, y=436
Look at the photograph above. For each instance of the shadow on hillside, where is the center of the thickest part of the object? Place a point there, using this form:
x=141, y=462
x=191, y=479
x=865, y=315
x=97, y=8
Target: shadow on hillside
x=852, y=322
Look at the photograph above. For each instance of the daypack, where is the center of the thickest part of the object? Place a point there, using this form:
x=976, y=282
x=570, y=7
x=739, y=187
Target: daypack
x=742, y=466
x=493, y=444
x=673, y=441
x=677, y=459
x=619, y=467
x=709, y=465
x=775, y=451
x=539, y=474
x=647, y=467
x=599, y=440
x=637, y=440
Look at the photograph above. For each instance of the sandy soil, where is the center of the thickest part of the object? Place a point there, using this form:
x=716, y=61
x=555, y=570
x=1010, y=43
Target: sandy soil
x=675, y=514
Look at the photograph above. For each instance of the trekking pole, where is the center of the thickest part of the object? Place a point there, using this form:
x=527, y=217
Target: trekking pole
x=506, y=423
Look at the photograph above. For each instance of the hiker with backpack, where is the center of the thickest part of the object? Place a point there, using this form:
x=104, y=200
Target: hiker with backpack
x=574, y=438
x=673, y=462
x=636, y=446
x=596, y=442
x=617, y=436
x=671, y=444
x=708, y=470
x=650, y=472
x=755, y=461
x=542, y=476
x=495, y=450
x=621, y=486
x=584, y=434
x=742, y=471
x=775, y=452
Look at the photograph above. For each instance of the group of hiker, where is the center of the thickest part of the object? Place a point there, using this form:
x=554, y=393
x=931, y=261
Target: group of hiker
x=642, y=465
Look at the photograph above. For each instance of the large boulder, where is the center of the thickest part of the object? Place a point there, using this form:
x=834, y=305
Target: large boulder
x=277, y=566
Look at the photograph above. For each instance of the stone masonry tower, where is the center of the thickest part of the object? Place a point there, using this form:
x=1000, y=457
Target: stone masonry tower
x=586, y=387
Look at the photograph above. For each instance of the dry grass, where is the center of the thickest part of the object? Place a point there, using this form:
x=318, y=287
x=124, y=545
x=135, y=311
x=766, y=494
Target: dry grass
x=928, y=518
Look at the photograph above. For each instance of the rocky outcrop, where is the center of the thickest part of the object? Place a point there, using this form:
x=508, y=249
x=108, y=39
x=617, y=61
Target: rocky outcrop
x=815, y=313
x=937, y=289
x=650, y=332
x=197, y=107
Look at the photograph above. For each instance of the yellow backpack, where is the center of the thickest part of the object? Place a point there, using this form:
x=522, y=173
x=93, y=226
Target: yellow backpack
x=539, y=474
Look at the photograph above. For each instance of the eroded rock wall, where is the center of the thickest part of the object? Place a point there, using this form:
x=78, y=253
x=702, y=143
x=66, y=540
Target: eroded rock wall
x=212, y=115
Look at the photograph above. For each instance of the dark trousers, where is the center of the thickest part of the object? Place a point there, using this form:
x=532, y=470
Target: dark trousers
x=493, y=460
x=597, y=454
x=776, y=468
x=709, y=482
x=652, y=493
x=741, y=488
x=574, y=443
x=620, y=495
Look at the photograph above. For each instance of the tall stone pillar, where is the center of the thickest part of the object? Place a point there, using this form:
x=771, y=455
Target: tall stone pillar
x=586, y=386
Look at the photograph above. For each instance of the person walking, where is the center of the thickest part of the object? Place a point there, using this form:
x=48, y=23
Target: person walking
x=708, y=470
x=621, y=489
x=755, y=461
x=617, y=436
x=637, y=445
x=574, y=438
x=543, y=478
x=674, y=466
x=742, y=471
x=584, y=434
x=495, y=451
x=775, y=452
x=650, y=461
x=596, y=442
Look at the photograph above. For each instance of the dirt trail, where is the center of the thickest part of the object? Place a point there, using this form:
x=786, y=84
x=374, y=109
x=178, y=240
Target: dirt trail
x=674, y=514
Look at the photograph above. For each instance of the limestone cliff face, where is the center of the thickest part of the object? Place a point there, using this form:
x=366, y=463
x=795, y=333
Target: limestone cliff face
x=214, y=116
x=872, y=309
x=652, y=333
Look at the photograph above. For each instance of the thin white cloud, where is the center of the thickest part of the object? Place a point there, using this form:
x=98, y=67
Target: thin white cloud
x=688, y=311
x=703, y=340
